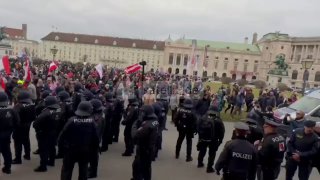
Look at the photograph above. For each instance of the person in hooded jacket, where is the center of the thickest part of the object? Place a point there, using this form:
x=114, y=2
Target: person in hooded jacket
x=9, y=120
x=99, y=119
x=21, y=135
x=109, y=111
x=144, y=133
x=80, y=139
x=46, y=126
x=131, y=115
x=211, y=133
x=185, y=121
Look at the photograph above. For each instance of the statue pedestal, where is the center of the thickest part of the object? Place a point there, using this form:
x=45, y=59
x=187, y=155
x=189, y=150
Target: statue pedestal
x=278, y=76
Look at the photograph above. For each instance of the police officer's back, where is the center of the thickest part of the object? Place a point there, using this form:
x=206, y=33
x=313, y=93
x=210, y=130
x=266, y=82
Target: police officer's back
x=270, y=150
x=145, y=134
x=80, y=138
x=26, y=110
x=238, y=159
x=9, y=120
x=77, y=94
x=46, y=126
x=211, y=133
x=41, y=105
x=109, y=111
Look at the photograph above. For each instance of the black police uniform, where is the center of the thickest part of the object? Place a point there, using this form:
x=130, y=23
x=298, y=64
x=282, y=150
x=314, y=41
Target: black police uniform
x=9, y=120
x=211, y=133
x=117, y=116
x=238, y=159
x=256, y=132
x=159, y=111
x=132, y=114
x=145, y=135
x=80, y=139
x=46, y=126
x=99, y=120
x=271, y=153
x=186, y=126
x=306, y=145
x=77, y=96
x=21, y=135
x=107, y=134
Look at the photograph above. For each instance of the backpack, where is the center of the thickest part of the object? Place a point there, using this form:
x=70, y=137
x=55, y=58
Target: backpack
x=206, y=129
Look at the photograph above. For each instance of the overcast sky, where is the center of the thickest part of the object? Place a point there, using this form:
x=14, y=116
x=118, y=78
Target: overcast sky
x=220, y=20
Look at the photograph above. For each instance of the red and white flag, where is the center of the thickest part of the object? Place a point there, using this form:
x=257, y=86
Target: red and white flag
x=53, y=66
x=5, y=64
x=99, y=69
x=27, y=70
x=133, y=68
x=2, y=83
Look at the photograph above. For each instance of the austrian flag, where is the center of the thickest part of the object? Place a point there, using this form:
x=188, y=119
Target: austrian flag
x=133, y=68
x=53, y=66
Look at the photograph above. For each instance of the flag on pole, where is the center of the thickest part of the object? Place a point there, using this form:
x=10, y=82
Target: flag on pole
x=53, y=66
x=27, y=70
x=132, y=69
x=5, y=64
x=205, y=58
x=99, y=69
x=192, y=59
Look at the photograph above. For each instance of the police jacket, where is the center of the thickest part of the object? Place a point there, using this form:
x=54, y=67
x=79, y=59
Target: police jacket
x=40, y=107
x=256, y=133
x=26, y=112
x=9, y=120
x=76, y=99
x=145, y=135
x=109, y=111
x=185, y=120
x=47, y=122
x=239, y=158
x=306, y=145
x=132, y=114
x=160, y=112
x=202, y=106
x=99, y=120
x=211, y=129
x=80, y=134
x=118, y=108
x=272, y=149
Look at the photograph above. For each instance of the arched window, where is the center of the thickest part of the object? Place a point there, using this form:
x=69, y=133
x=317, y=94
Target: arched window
x=234, y=76
x=244, y=77
x=294, y=74
x=214, y=74
x=317, y=76
x=177, y=71
x=204, y=74
x=224, y=74
x=169, y=70
x=184, y=72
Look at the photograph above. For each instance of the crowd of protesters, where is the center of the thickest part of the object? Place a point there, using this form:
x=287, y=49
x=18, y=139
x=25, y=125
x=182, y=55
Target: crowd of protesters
x=77, y=96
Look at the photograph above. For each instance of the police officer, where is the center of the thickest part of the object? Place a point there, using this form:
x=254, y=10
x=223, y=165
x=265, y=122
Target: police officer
x=163, y=98
x=109, y=111
x=117, y=116
x=9, y=120
x=46, y=126
x=80, y=139
x=77, y=95
x=270, y=151
x=21, y=135
x=255, y=131
x=211, y=133
x=131, y=115
x=160, y=113
x=66, y=113
x=99, y=119
x=144, y=133
x=186, y=126
x=238, y=159
x=302, y=146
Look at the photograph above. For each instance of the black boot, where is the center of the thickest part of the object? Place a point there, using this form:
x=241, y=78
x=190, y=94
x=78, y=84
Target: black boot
x=16, y=161
x=36, y=151
x=189, y=159
x=210, y=170
x=200, y=164
x=40, y=169
x=26, y=157
x=6, y=170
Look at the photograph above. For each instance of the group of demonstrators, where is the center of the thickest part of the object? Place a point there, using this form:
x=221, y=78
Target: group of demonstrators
x=77, y=110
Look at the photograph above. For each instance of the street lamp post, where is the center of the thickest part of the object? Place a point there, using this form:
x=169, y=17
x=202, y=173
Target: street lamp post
x=143, y=64
x=54, y=51
x=306, y=64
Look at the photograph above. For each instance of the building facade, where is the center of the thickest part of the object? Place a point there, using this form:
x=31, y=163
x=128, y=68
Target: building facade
x=113, y=51
x=294, y=50
x=17, y=39
x=224, y=59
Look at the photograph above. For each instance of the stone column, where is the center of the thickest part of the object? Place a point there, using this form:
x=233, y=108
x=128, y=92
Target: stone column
x=302, y=53
x=316, y=58
x=294, y=53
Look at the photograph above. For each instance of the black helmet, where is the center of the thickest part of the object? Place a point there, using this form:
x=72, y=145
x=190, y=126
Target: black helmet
x=77, y=87
x=45, y=93
x=51, y=102
x=87, y=95
x=59, y=89
x=133, y=100
x=96, y=104
x=147, y=110
x=84, y=109
x=109, y=97
x=24, y=97
x=188, y=104
x=64, y=96
x=4, y=99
